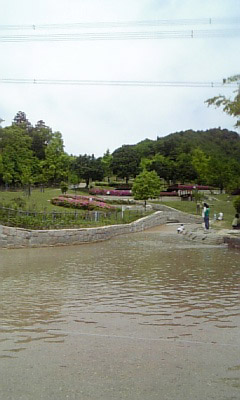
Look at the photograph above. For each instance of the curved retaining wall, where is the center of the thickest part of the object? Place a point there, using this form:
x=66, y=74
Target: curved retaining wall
x=11, y=237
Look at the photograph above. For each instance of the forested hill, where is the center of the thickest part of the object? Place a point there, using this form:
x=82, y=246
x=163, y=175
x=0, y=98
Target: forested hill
x=213, y=142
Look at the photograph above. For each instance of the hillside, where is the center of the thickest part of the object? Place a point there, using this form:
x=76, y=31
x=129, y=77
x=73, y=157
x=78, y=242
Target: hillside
x=213, y=142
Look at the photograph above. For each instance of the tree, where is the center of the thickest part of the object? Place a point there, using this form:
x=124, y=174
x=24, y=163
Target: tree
x=64, y=187
x=56, y=164
x=164, y=167
x=17, y=157
x=230, y=106
x=20, y=119
x=27, y=178
x=236, y=203
x=88, y=167
x=146, y=185
x=107, y=164
x=73, y=178
x=221, y=172
x=41, y=136
x=184, y=169
x=125, y=162
x=200, y=163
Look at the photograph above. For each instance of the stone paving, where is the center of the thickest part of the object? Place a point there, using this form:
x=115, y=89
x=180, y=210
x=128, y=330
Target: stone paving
x=196, y=232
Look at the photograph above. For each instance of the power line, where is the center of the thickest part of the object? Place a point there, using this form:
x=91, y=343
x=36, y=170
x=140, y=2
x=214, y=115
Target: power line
x=124, y=24
x=193, y=34
x=77, y=82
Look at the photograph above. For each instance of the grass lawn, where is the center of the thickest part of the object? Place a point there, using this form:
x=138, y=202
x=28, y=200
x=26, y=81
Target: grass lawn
x=42, y=217
x=218, y=203
x=38, y=201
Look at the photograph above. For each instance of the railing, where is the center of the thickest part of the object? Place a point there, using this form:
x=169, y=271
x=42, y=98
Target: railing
x=57, y=220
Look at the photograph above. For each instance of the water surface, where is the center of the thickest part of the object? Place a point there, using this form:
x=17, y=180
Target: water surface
x=142, y=316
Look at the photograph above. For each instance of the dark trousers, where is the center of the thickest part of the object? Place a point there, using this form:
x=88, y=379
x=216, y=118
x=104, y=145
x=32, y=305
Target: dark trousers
x=206, y=221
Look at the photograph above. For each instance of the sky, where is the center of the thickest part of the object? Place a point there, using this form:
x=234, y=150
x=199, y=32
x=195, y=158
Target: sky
x=93, y=119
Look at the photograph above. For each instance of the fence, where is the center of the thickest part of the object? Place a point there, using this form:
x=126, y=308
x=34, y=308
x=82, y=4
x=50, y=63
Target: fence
x=57, y=220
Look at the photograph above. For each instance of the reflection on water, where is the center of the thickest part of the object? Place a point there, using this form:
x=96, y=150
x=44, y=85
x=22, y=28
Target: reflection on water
x=144, y=316
x=123, y=286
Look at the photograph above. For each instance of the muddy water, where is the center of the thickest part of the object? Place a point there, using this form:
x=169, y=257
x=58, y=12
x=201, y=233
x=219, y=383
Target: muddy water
x=143, y=316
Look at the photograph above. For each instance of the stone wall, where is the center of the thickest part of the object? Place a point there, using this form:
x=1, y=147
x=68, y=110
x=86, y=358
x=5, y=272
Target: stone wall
x=232, y=241
x=11, y=237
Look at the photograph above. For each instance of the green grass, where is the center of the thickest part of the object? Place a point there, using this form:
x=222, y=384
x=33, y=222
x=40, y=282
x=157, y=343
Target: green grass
x=38, y=201
x=65, y=220
x=218, y=203
x=41, y=212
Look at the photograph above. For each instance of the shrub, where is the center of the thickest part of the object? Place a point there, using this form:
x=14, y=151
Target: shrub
x=110, y=192
x=80, y=202
x=236, y=203
x=64, y=187
x=18, y=202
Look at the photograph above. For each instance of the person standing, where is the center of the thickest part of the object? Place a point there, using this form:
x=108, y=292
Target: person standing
x=206, y=215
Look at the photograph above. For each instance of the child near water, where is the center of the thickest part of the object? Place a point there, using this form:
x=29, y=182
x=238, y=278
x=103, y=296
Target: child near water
x=180, y=229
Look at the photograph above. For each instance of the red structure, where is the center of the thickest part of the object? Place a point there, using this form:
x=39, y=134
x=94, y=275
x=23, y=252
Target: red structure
x=186, y=191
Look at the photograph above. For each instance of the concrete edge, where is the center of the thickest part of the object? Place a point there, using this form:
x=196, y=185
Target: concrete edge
x=11, y=237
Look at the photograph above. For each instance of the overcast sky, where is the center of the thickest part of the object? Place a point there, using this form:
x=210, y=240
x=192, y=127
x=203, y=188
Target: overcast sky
x=93, y=119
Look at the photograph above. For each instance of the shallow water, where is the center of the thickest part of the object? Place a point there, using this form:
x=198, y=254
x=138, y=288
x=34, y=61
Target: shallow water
x=143, y=316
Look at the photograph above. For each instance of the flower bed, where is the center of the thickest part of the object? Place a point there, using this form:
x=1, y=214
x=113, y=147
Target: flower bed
x=111, y=192
x=81, y=202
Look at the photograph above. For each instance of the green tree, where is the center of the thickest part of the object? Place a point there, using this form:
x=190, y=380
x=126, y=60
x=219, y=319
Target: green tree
x=220, y=172
x=21, y=120
x=236, y=203
x=73, y=178
x=146, y=185
x=230, y=106
x=17, y=156
x=41, y=136
x=184, y=169
x=164, y=167
x=64, y=187
x=1, y=166
x=56, y=164
x=107, y=164
x=88, y=167
x=27, y=177
x=125, y=162
x=145, y=163
x=200, y=163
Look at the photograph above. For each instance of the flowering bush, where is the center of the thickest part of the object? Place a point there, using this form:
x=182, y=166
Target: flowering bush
x=111, y=192
x=80, y=202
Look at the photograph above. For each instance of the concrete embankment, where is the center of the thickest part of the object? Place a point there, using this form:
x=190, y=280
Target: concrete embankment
x=232, y=241
x=228, y=237
x=11, y=237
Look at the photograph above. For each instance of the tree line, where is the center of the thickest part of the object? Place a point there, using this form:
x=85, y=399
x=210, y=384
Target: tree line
x=34, y=155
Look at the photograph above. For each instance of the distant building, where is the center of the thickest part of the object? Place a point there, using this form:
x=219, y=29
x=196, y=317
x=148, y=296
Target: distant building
x=187, y=191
